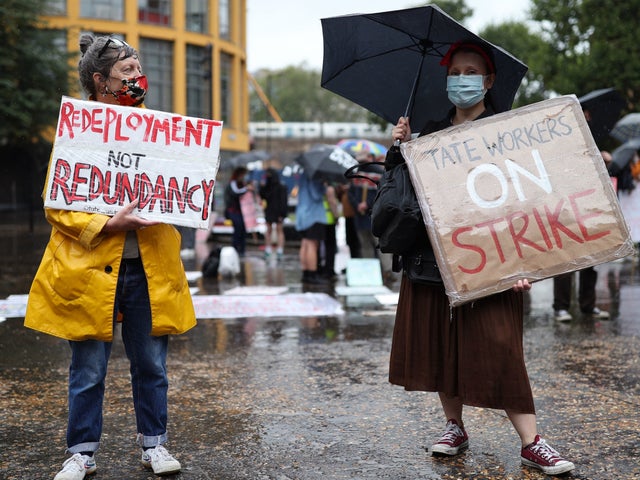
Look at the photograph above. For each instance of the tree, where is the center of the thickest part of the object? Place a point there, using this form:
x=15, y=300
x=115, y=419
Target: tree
x=518, y=40
x=593, y=45
x=34, y=74
x=297, y=96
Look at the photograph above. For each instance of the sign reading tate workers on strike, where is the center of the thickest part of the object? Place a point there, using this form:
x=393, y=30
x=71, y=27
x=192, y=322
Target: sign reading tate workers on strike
x=522, y=194
x=105, y=156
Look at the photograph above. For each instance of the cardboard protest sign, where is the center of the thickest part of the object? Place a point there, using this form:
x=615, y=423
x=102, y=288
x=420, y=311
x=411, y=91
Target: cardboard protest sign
x=522, y=194
x=105, y=156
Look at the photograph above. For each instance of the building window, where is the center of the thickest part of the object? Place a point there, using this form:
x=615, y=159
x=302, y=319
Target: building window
x=56, y=7
x=226, y=93
x=224, y=17
x=198, y=81
x=106, y=9
x=197, y=16
x=156, y=12
x=157, y=63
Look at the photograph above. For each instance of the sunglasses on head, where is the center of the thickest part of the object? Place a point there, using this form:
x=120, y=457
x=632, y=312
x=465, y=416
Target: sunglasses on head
x=114, y=43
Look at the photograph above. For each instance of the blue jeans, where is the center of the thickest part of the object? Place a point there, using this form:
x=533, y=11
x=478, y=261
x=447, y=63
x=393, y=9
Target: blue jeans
x=147, y=358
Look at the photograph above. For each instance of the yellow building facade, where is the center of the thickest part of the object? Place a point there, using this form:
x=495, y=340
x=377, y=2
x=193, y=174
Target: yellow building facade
x=192, y=51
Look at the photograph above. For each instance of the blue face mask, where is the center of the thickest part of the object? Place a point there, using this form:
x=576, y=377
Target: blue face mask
x=465, y=91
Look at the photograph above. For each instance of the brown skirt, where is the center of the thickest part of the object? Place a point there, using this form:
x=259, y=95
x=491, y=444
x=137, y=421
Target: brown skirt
x=473, y=351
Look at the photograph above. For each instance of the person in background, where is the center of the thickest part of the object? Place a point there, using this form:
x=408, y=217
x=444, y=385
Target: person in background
x=101, y=271
x=237, y=187
x=470, y=354
x=349, y=213
x=329, y=247
x=588, y=278
x=275, y=197
x=311, y=219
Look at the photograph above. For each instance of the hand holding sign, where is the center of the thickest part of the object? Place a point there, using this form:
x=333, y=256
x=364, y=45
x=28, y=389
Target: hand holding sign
x=126, y=220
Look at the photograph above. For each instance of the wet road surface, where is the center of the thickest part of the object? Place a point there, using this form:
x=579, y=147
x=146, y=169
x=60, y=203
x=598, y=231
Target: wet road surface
x=308, y=398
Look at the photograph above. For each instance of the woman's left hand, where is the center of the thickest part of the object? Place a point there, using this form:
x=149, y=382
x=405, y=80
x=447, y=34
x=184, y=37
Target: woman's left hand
x=522, y=285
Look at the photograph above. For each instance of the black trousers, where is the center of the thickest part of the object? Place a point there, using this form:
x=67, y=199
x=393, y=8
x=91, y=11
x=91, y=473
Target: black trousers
x=563, y=284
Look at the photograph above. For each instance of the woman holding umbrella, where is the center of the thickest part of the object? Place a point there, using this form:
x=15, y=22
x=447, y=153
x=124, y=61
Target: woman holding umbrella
x=471, y=354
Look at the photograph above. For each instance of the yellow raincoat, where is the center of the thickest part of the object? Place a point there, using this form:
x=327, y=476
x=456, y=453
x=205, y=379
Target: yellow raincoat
x=74, y=290
x=73, y=293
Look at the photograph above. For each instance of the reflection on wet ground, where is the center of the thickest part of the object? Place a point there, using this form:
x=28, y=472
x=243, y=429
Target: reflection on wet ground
x=308, y=398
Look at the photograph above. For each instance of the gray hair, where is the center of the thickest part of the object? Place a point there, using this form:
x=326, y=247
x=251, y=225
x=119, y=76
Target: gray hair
x=98, y=57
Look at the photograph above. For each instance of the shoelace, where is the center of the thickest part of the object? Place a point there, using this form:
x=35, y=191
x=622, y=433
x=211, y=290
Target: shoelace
x=76, y=461
x=450, y=435
x=161, y=453
x=546, y=451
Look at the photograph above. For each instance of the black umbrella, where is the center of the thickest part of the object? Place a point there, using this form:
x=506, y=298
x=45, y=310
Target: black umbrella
x=602, y=109
x=622, y=155
x=389, y=63
x=326, y=162
x=243, y=159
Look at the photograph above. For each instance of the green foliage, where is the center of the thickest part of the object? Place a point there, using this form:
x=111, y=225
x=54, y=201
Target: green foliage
x=593, y=45
x=516, y=38
x=34, y=73
x=297, y=96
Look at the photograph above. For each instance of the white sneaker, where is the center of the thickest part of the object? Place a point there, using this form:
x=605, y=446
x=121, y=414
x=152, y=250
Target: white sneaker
x=160, y=461
x=562, y=316
x=596, y=313
x=76, y=467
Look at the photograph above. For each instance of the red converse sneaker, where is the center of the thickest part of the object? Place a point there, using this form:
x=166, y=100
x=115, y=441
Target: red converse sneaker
x=453, y=441
x=544, y=457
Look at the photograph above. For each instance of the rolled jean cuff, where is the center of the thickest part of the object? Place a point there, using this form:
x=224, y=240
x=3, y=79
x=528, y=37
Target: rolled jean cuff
x=146, y=441
x=84, y=447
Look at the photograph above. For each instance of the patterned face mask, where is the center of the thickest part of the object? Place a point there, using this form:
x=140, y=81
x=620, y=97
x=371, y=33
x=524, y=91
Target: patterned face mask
x=132, y=92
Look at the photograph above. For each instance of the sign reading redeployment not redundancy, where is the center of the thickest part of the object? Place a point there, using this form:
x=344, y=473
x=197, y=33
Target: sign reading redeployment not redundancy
x=106, y=156
x=522, y=194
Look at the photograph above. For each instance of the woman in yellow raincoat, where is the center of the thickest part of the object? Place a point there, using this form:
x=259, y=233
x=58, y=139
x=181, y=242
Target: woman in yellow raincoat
x=98, y=270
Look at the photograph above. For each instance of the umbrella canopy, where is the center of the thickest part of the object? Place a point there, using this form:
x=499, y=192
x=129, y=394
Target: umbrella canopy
x=389, y=63
x=622, y=155
x=243, y=159
x=355, y=146
x=603, y=107
x=326, y=162
x=627, y=128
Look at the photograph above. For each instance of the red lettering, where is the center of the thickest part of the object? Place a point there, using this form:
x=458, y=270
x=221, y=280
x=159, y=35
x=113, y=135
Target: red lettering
x=580, y=218
x=466, y=246
x=207, y=190
x=96, y=120
x=111, y=116
x=189, y=198
x=161, y=126
x=194, y=131
x=145, y=190
x=96, y=183
x=518, y=237
x=78, y=179
x=556, y=225
x=61, y=175
x=543, y=230
x=490, y=225
x=65, y=122
x=175, y=128
x=119, y=136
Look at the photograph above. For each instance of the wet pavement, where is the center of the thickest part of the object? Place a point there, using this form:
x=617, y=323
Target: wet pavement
x=308, y=398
